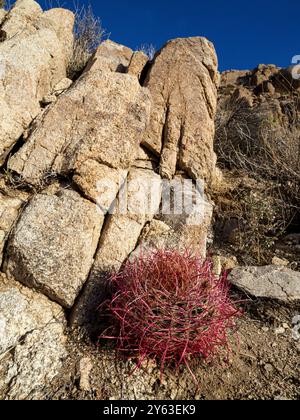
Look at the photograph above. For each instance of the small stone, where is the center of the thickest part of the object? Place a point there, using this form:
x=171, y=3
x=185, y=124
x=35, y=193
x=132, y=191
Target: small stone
x=268, y=368
x=279, y=331
x=265, y=329
x=286, y=326
x=217, y=265
x=63, y=85
x=280, y=261
x=48, y=99
x=85, y=368
x=228, y=263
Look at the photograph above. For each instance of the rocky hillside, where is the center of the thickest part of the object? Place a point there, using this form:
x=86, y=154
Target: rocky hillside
x=68, y=147
x=257, y=143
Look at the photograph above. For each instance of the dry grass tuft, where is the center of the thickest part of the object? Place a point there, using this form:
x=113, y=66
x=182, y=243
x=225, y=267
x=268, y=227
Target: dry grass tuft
x=88, y=35
x=260, y=147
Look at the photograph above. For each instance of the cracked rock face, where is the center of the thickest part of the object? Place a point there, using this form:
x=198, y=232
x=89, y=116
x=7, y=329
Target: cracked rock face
x=137, y=64
x=121, y=231
x=53, y=244
x=31, y=341
x=170, y=230
x=102, y=118
x=110, y=56
x=9, y=210
x=32, y=62
x=3, y=13
x=183, y=83
x=272, y=282
x=66, y=240
x=119, y=237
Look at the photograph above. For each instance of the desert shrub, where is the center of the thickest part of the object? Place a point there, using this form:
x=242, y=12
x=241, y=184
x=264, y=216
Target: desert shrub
x=148, y=49
x=260, y=143
x=170, y=307
x=88, y=34
x=250, y=218
x=260, y=140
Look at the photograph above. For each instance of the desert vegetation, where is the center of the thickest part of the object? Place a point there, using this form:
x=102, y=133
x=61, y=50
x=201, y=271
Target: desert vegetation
x=258, y=150
x=148, y=49
x=169, y=314
x=169, y=307
x=88, y=34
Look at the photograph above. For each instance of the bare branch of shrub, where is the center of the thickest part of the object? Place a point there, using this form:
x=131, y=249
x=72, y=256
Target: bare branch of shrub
x=253, y=144
x=88, y=34
x=148, y=49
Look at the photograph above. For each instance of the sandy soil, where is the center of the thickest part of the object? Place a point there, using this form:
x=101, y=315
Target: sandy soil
x=265, y=365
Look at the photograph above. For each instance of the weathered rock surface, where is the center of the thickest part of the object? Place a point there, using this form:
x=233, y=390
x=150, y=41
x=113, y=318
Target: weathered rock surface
x=3, y=13
x=272, y=282
x=123, y=228
x=183, y=83
x=21, y=18
x=120, y=236
x=9, y=210
x=137, y=64
x=110, y=56
x=61, y=21
x=32, y=62
x=101, y=117
x=179, y=228
x=32, y=341
x=62, y=85
x=100, y=183
x=90, y=136
x=53, y=245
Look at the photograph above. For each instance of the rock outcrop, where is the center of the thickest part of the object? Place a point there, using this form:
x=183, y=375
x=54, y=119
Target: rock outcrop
x=9, y=210
x=53, y=245
x=137, y=64
x=137, y=204
x=102, y=118
x=123, y=227
x=110, y=56
x=83, y=164
x=33, y=59
x=32, y=341
x=183, y=83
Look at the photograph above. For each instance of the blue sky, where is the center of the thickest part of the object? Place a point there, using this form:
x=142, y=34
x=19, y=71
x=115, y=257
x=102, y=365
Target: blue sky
x=245, y=33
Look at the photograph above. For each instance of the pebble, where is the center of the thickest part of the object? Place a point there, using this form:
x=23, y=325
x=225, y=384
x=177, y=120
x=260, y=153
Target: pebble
x=279, y=331
x=85, y=368
x=280, y=262
x=268, y=368
x=286, y=326
x=265, y=329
